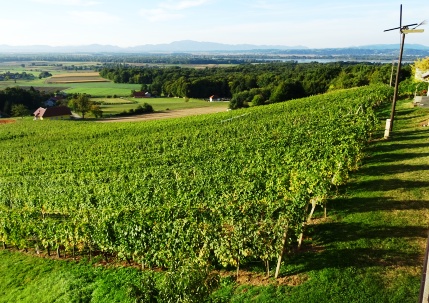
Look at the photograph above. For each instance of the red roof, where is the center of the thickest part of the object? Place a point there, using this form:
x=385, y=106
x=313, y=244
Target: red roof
x=52, y=111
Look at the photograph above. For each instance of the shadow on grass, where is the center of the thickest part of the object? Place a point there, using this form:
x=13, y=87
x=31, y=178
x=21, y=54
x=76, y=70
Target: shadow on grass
x=344, y=258
x=400, y=137
x=404, y=112
x=386, y=148
x=364, y=205
x=391, y=169
x=355, y=234
x=387, y=185
x=346, y=232
x=410, y=134
x=394, y=157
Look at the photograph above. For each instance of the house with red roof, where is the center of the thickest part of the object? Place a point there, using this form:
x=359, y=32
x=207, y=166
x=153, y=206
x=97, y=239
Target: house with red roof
x=142, y=95
x=52, y=113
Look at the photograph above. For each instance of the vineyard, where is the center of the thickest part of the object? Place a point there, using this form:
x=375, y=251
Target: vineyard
x=223, y=189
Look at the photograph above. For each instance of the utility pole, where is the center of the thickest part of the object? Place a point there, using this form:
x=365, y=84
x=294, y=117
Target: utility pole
x=391, y=73
x=403, y=29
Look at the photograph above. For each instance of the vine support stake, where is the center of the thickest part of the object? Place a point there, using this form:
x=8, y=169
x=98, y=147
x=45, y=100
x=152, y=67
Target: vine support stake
x=282, y=251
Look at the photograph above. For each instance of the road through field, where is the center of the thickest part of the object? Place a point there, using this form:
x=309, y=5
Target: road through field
x=168, y=114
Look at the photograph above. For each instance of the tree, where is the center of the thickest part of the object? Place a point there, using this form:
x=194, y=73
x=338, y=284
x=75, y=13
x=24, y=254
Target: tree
x=19, y=110
x=258, y=100
x=419, y=68
x=96, y=111
x=286, y=91
x=45, y=75
x=81, y=103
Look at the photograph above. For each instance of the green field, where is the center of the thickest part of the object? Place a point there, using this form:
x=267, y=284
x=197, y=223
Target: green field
x=102, y=89
x=158, y=104
x=94, y=89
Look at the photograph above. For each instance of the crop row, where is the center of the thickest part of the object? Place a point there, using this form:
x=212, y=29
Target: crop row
x=223, y=189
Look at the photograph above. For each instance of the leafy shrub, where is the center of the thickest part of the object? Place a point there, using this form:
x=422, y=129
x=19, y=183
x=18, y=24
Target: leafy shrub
x=143, y=109
x=187, y=282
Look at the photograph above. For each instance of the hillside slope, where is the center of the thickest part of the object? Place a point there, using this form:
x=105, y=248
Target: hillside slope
x=370, y=249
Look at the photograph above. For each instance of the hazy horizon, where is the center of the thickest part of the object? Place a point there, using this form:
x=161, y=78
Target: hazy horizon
x=129, y=23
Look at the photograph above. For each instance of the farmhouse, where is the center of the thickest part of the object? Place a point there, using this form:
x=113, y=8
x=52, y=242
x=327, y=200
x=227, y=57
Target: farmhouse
x=141, y=95
x=52, y=113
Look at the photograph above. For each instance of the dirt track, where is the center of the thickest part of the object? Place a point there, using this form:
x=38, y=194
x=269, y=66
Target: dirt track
x=168, y=114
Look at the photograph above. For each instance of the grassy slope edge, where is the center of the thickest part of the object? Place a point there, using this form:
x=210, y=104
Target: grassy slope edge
x=370, y=249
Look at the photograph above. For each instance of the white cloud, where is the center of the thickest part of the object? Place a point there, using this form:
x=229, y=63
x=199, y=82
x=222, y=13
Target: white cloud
x=93, y=17
x=68, y=2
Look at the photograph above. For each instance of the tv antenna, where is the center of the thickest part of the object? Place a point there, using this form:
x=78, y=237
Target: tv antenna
x=403, y=29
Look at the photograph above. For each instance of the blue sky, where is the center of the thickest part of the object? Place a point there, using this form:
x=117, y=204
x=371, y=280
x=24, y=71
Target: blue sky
x=315, y=24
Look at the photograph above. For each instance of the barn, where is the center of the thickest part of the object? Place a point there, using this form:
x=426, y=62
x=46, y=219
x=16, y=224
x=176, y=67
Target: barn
x=52, y=113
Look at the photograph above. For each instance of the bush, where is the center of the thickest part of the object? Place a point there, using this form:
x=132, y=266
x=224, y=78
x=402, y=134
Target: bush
x=143, y=109
x=258, y=100
x=147, y=291
x=185, y=281
x=188, y=282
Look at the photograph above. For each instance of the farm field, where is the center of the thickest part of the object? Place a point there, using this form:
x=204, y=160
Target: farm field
x=76, y=78
x=91, y=83
x=221, y=188
x=70, y=81
x=111, y=107
x=102, y=89
x=370, y=248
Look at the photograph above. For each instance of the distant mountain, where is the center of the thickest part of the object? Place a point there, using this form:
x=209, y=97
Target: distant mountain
x=186, y=46
x=393, y=46
x=177, y=46
x=93, y=48
x=189, y=45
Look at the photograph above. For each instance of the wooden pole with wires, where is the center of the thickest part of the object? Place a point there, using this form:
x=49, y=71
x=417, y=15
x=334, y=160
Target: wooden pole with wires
x=403, y=29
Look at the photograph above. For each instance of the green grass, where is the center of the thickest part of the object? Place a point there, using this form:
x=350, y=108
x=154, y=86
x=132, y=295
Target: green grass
x=29, y=279
x=158, y=104
x=102, y=89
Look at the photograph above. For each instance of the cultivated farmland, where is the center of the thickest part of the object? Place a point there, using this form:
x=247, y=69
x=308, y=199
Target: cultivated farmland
x=225, y=189
x=152, y=191
x=76, y=78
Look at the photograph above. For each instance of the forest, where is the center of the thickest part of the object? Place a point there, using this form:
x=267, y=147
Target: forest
x=253, y=84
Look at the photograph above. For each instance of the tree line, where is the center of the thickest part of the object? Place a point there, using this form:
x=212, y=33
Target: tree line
x=254, y=84
x=26, y=98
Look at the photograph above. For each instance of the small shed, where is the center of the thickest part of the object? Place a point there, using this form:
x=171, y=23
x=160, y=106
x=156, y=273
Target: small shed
x=53, y=113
